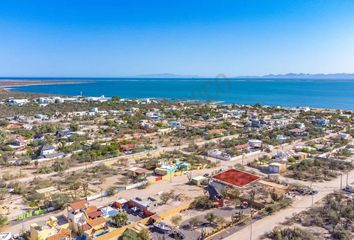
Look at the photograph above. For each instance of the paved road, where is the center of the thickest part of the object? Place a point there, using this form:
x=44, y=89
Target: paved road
x=266, y=224
x=179, y=183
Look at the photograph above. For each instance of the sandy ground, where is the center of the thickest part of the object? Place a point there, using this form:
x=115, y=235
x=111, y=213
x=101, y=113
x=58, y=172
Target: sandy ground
x=178, y=184
x=17, y=83
x=267, y=224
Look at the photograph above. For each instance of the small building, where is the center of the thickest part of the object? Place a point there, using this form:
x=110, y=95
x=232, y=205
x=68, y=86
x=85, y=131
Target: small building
x=281, y=138
x=109, y=212
x=48, y=151
x=321, y=122
x=140, y=173
x=281, y=156
x=257, y=123
x=154, y=116
x=175, y=124
x=300, y=156
x=127, y=147
x=142, y=204
x=255, y=143
x=38, y=138
x=59, y=222
x=165, y=170
x=344, y=136
x=94, y=227
x=41, y=117
x=92, y=212
x=46, y=100
x=119, y=203
x=220, y=131
x=48, y=233
x=242, y=146
x=76, y=213
x=216, y=153
x=17, y=102
x=64, y=134
x=200, y=180
x=297, y=132
x=18, y=143
x=183, y=166
x=277, y=167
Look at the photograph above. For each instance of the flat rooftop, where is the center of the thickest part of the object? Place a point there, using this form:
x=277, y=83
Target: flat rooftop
x=235, y=177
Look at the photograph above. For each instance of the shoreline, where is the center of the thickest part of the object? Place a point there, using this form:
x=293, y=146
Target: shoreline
x=9, y=85
x=12, y=90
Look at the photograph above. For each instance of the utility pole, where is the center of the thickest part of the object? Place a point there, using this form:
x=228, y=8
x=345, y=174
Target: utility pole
x=312, y=194
x=341, y=178
x=251, y=205
x=251, y=225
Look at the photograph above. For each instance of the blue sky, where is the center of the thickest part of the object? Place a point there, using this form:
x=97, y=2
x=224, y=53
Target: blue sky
x=119, y=38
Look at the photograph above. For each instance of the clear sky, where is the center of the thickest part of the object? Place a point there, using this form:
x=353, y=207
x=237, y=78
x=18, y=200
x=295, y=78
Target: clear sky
x=203, y=37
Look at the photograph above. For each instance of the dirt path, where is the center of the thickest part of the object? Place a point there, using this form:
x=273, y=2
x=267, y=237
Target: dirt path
x=266, y=224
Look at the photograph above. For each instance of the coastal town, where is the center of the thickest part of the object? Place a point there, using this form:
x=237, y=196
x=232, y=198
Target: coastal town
x=107, y=168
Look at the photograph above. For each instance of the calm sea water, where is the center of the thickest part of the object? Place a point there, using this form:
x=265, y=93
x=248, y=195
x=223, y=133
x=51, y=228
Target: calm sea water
x=276, y=92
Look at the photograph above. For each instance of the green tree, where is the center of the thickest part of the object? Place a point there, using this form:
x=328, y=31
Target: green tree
x=74, y=126
x=2, y=137
x=210, y=217
x=194, y=221
x=59, y=166
x=202, y=202
x=165, y=196
x=176, y=219
x=59, y=200
x=3, y=220
x=115, y=99
x=144, y=234
x=120, y=220
x=111, y=190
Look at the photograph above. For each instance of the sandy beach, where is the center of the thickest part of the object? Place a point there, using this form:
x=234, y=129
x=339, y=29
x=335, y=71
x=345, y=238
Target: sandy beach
x=7, y=84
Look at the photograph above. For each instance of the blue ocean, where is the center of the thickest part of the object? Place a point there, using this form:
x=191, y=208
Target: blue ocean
x=275, y=92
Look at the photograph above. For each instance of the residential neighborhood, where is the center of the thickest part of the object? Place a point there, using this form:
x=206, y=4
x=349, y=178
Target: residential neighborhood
x=110, y=168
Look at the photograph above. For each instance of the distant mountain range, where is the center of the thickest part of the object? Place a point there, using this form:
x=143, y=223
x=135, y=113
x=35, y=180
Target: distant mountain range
x=343, y=76
x=167, y=75
x=311, y=76
x=304, y=76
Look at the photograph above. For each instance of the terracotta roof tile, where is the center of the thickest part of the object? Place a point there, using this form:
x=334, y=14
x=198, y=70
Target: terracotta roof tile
x=78, y=205
x=97, y=221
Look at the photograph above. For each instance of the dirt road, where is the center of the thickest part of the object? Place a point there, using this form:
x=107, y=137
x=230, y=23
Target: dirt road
x=266, y=224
